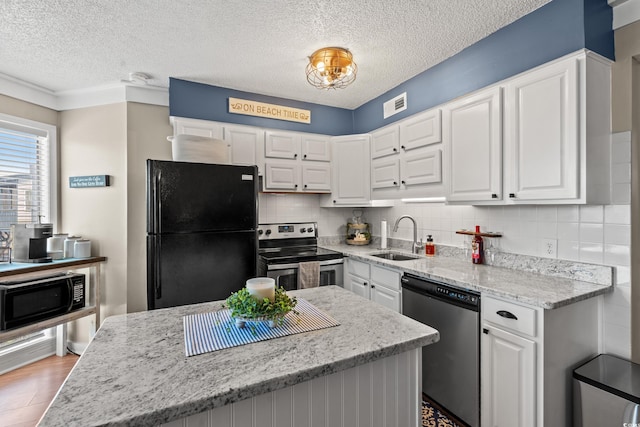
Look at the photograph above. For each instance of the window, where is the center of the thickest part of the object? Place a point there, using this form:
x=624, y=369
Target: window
x=27, y=173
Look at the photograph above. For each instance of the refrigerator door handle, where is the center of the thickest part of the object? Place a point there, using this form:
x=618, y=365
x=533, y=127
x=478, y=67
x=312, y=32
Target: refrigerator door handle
x=156, y=268
x=157, y=201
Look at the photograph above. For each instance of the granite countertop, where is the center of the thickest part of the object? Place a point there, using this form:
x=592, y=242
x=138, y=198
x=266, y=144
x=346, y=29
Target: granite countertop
x=135, y=372
x=555, y=286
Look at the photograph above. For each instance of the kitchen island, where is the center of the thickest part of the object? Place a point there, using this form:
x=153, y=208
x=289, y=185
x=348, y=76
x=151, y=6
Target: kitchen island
x=364, y=372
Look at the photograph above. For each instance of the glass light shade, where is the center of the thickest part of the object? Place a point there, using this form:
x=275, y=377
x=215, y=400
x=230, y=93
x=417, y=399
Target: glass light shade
x=331, y=68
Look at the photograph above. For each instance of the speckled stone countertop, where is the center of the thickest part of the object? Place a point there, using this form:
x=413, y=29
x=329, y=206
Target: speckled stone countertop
x=135, y=371
x=554, y=286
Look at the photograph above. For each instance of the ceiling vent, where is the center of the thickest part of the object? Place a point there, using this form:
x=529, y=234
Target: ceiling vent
x=395, y=105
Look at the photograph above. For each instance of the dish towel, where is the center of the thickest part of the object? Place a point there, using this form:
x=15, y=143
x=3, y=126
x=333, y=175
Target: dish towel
x=308, y=274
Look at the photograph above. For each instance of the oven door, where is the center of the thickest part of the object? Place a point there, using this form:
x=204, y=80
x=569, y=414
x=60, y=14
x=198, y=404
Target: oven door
x=286, y=275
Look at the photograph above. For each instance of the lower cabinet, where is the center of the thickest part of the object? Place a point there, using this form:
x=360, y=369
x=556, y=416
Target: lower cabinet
x=527, y=357
x=373, y=282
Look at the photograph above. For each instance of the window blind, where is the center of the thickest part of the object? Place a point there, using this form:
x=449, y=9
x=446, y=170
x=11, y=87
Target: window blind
x=24, y=177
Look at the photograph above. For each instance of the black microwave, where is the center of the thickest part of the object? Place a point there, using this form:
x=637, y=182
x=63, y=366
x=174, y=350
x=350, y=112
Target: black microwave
x=30, y=301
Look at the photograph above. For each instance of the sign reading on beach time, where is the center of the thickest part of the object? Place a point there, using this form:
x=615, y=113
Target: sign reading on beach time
x=270, y=111
x=88, y=181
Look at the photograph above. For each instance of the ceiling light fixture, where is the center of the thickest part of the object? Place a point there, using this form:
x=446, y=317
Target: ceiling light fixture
x=331, y=68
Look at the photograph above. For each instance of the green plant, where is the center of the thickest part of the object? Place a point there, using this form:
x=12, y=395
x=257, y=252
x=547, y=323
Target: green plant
x=243, y=305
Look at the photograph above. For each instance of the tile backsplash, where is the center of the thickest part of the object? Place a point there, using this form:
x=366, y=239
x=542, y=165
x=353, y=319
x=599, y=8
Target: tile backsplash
x=592, y=234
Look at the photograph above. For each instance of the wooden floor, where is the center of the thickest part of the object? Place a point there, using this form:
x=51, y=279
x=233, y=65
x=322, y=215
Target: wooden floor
x=25, y=393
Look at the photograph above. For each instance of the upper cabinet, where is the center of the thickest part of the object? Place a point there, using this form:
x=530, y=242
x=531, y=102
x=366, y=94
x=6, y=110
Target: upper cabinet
x=297, y=162
x=473, y=147
x=242, y=140
x=350, y=178
x=406, y=158
x=546, y=142
x=542, y=133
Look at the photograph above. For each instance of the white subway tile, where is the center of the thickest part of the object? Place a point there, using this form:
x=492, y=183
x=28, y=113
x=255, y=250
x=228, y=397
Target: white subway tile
x=617, y=255
x=547, y=213
x=621, y=151
x=622, y=276
x=617, y=214
x=569, y=231
x=592, y=213
x=528, y=213
x=617, y=315
x=617, y=234
x=568, y=214
x=591, y=233
x=591, y=252
x=621, y=194
x=617, y=340
x=621, y=296
x=621, y=137
x=621, y=173
x=547, y=230
x=569, y=250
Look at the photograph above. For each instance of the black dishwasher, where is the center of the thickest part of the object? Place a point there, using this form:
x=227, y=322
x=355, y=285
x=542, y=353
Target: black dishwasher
x=450, y=367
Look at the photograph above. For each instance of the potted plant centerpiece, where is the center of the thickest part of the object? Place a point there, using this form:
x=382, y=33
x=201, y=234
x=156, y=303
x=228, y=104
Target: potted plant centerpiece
x=260, y=300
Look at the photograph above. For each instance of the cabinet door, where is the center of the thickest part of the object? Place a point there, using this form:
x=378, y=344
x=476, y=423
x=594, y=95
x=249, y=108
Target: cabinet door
x=421, y=130
x=244, y=140
x=281, y=176
x=315, y=147
x=351, y=169
x=385, y=172
x=184, y=126
x=386, y=297
x=542, y=138
x=281, y=145
x=423, y=168
x=508, y=379
x=385, y=141
x=473, y=147
x=316, y=177
x=359, y=286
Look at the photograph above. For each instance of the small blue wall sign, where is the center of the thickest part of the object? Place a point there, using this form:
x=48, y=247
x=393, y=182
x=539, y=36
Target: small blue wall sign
x=89, y=181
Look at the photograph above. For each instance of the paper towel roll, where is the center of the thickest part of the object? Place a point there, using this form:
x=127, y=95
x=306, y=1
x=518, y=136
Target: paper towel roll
x=383, y=234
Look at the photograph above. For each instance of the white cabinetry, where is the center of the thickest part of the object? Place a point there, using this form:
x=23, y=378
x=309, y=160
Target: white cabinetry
x=350, y=184
x=297, y=162
x=556, y=143
x=243, y=140
x=370, y=281
x=527, y=356
x=473, y=147
x=407, y=158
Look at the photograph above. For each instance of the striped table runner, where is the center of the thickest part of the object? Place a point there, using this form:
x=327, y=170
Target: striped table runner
x=216, y=330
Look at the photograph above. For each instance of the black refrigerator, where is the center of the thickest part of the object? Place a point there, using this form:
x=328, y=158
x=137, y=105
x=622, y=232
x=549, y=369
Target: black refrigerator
x=202, y=222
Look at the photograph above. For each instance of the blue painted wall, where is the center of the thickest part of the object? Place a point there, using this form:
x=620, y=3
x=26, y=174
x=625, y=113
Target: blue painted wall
x=556, y=29
x=206, y=102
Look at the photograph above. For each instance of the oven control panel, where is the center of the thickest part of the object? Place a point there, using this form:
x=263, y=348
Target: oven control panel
x=287, y=230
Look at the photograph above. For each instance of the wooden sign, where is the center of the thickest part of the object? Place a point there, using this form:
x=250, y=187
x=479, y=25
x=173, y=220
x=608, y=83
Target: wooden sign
x=270, y=111
x=89, y=181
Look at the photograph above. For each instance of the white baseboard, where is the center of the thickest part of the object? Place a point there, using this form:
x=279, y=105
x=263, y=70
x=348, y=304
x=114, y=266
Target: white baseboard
x=29, y=353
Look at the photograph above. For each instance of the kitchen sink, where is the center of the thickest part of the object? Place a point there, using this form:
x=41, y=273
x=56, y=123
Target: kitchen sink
x=393, y=256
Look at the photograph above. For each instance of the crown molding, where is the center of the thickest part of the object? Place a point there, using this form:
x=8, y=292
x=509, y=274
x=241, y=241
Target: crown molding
x=82, y=98
x=624, y=12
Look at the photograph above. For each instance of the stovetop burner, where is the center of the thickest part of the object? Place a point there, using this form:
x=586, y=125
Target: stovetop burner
x=292, y=243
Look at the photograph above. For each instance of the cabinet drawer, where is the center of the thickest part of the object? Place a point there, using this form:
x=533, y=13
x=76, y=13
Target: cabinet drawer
x=388, y=278
x=512, y=316
x=358, y=268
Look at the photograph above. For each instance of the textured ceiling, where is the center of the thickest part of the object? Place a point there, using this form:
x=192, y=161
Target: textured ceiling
x=257, y=46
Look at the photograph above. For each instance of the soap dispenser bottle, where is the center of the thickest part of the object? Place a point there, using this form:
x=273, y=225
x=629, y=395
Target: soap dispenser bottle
x=429, y=248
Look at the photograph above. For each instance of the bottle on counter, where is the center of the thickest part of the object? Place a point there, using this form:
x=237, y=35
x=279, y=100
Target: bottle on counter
x=429, y=247
x=477, y=247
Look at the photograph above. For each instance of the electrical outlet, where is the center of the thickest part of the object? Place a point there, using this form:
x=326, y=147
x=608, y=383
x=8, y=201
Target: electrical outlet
x=548, y=248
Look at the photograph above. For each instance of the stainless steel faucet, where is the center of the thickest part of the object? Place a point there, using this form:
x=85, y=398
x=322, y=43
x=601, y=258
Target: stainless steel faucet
x=416, y=246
